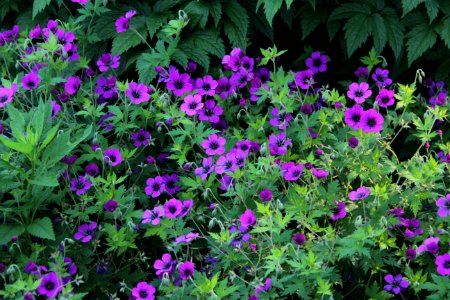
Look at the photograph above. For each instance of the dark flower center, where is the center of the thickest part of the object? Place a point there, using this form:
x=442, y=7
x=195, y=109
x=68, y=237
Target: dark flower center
x=30, y=84
x=356, y=118
x=179, y=84
x=136, y=94
x=80, y=185
x=187, y=273
x=359, y=94
x=141, y=138
x=296, y=173
x=3, y=99
x=206, y=86
x=244, y=147
x=385, y=99
x=156, y=187
x=214, y=145
x=49, y=285
x=317, y=63
x=228, y=164
x=380, y=78
x=193, y=105
x=112, y=158
x=447, y=264
x=209, y=113
x=172, y=209
x=371, y=122
x=143, y=294
x=280, y=143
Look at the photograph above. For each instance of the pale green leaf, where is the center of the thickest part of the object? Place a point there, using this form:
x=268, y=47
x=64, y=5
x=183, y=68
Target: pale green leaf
x=42, y=228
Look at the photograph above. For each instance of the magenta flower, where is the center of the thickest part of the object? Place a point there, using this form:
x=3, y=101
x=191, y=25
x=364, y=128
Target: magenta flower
x=123, y=23
x=153, y=216
x=359, y=92
x=206, y=86
x=80, y=185
x=385, y=98
x=6, y=96
x=299, y=239
x=179, y=84
x=110, y=205
x=192, y=104
x=91, y=170
x=214, y=145
x=412, y=227
x=30, y=81
x=186, y=270
x=82, y=2
x=317, y=62
x=443, y=264
x=265, y=195
x=339, y=211
x=292, y=171
x=211, y=112
x=430, y=245
x=353, y=116
x=141, y=138
x=138, y=93
x=381, y=77
x=224, y=88
x=107, y=61
x=226, y=163
x=264, y=288
x=72, y=85
x=173, y=208
x=206, y=168
x=353, y=142
x=186, y=238
x=247, y=219
x=372, y=121
x=444, y=206
x=155, y=186
x=410, y=253
x=304, y=79
x=106, y=87
x=164, y=265
x=359, y=194
x=86, y=232
x=143, y=291
x=55, y=108
x=318, y=173
x=112, y=156
x=362, y=72
x=50, y=285
x=395, y=284
x=186, y=207
x=278, y=144
x=281, y=118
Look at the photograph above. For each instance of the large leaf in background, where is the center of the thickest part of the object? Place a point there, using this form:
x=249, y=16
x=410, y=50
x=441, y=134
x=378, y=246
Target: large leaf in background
x=421, y=38
x=236, y=23
x=39, y=5
x=127, y=40
x=394, y=30
x=42, y=228
x=409, y=5
x=356, y=31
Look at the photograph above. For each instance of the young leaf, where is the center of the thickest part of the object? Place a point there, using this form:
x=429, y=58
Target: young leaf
x=42, y=228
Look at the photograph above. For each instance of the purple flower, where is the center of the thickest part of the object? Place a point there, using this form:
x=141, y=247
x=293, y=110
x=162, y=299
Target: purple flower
x=206, y=168
x=138, y=93
x=353, y=116
x=86, y=232
x=412, y=227
x=359, y=92
x=362, y=72
x=395, y=284
x=179, y=84
x=164, y=265
x=292, y=171
x=317, y=62
x=247, y=219
x=438, y=99
x=72, y=85
x=372, y=121
x=123, y=23
x=91, y=170
x=241, y=79
x=359, y=194
x=186, y=238
x=70, y=267
x=381, y=77
x=186, y=208
x=6, y=96
x=141, y=138
x=55, y=108
x=155, y=186
x=82, y=2
x=265, y=195
x=186, y=270
x=226, y=163
x=353, y=142
x=299, y=239
x=225, y=182
x=214, y=144
x=33, y=269
x=106, y=87
x=410, y=253
x=385, y=98
x=107, y=61
x=30, y=81
x=170, y=183
x=173, y=208
x=339, y=211
x=143, y=291
x=110, y=205
x=206, y=86
x=153, y=216
x=278, y=144
x=304, y=79
x=192, y=104
x=264, y=288
x=444, y=206
x=431, y=245
x=211, y=112
x=50, y=285
x=318, y=173
x=112, y=156
x=281, y=118
x=80, y=185
x=224, y=88
x=443, y=264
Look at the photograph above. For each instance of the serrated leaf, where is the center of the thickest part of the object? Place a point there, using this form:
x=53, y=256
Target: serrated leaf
x=409, y=5
x=201, y=43
x=236, y=24
x=199, y=11
x=180, y=57
x=271, y=7
x=42, y=228
x=394, y=30
x=39, y=5
x=421, y=38
x=347, y=10
x=147, y=62
x=154, y=21
x=49, y=180
x=356, y=32
x=310, y=20
x=18, y=146
x=379, y=32
x=215, y=9
x=443, y=30
x=432, y=9
x=127, y=40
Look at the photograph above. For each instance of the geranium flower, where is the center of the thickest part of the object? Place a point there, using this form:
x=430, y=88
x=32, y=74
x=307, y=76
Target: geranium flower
x=304, y=79
x=317, y=62
x=6, y=96
x=186, y=238
x=30, y=81
x=359, y=92
x=179, y=84
x=444, y=206
x=265, y=195
x=224, y=88
x=395, y=284
x=141, y=138
x=50, y=285
x=80, y=185
x=359, y=194
x=91, y=170
x=173, y=208
x=206, y=168
x=372, y=121
x=247, y=219
x=72, y=85
x=112, y=156
x=226, y=163
x=138, y=93
x=153, y=216
x=186, y=270
x=281, y=118
x=430, y=245
x=206, y=86
x=143, y=291
x=214, y=144
x=278, y=144
x=123, y=23
x=107, y=61
x=155, y=186
x=192, y=104
x=211, y=112
x=385, y=98
x=353, y=142
x=443, y=264
x=339, y=211
x=86, y=232
x=361, y=72
x=318, y=173
x=110, y=205
x=381, y=77
x=299, y=239
x=164, y=265
x=292, y=171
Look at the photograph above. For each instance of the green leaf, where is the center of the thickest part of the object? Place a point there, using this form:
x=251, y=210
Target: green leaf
x=155, y=21
x=127, y=40
x=310, y=20
x=379, y=32
x=409, y=5
x=49, y=180
x=421, y=38
x=356, y=31
x=42, y=228
x=39, y=5
x=147, y=62
x=21, y=147
x=17, y=123
x=51, y=133
x=394, y=30
x=271, y=7
x=432, y=7
x=215, y=9
x=236, y=23
x=7, y=231
x=443, y=29
x=201, y=43
x=197, y=11
x=347, y=10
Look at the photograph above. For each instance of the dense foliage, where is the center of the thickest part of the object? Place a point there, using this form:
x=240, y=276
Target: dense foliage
x=228, y=178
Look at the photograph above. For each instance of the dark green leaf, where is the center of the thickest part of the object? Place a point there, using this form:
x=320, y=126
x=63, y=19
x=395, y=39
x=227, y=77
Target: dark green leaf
x=394, y=30
x=17, y=123
x=356, y=31
x=49, y=180
x=347, y=10
x=39, y=5
x=432, y=9
x=127, y=40
x=7, y=231
x=379, y=32
x=42, y=228
x=271, y=7
x=421, y=38
x=236, y=23
x=409, y=5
